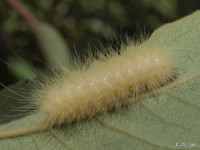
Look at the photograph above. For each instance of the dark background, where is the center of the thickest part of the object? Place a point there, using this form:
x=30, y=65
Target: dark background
x=82, y=24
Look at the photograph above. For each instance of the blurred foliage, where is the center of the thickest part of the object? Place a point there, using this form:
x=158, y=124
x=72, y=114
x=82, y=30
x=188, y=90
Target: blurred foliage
x=83, y=24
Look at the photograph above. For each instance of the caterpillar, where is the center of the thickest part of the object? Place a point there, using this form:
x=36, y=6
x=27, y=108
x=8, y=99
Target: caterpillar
x=104, y=84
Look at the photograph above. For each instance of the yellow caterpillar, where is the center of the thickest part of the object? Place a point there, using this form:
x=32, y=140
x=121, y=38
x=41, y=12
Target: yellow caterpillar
x=104, y=84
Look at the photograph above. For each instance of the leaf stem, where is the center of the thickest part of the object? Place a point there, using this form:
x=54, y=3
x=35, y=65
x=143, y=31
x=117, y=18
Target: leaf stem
x=24, y=12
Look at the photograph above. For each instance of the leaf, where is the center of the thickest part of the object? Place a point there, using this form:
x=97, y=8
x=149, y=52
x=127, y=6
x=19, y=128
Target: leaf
x=54, y=48
x=157, y=122
x=22, y=69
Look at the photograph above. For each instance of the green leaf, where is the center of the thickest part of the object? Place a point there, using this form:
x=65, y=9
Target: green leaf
x=54, y=48
x=158, y=122
x=21, y=69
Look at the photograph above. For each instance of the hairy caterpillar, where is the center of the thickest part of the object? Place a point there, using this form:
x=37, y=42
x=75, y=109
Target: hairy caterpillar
x=104, y=86
x=101, y=85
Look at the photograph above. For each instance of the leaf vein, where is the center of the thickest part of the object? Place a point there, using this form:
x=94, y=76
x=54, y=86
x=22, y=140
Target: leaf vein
x=60, y=139
x=120, y=131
